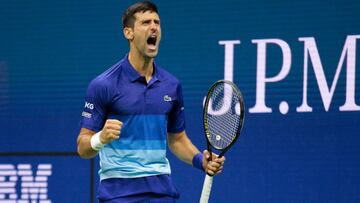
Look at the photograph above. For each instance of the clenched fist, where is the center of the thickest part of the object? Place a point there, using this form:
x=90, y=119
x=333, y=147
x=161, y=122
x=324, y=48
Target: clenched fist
x=214, y=166
x=110, y=131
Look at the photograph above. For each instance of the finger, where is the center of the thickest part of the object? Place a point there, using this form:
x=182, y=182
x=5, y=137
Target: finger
x=214, y=156
x=206, y=154
x=210, y=172
x=216, y=171
x=107, y=137
x=114, y=121
x=223, y=159
x=113, y=126
x=214, y=164
x=114, y=137
x=220, y=160
x=212, y=167
x=113, y=132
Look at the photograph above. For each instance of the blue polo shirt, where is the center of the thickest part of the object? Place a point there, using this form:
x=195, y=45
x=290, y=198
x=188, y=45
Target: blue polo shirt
x=148, y=112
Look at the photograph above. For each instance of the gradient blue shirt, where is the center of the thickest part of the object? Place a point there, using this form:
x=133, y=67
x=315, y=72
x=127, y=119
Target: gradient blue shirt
x=148, y=110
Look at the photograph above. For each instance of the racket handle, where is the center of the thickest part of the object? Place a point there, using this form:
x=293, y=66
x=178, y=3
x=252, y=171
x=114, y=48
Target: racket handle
x=205, y=194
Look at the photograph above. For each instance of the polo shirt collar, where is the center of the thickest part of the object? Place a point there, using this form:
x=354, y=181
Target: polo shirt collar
x=134, y=75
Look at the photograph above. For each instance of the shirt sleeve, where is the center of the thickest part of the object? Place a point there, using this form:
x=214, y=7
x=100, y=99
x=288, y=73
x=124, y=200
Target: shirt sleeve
x=94, y=113
x=176, y=121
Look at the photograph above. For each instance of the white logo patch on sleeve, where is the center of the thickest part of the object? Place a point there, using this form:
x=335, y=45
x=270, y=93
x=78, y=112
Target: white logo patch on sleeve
x=86, y=114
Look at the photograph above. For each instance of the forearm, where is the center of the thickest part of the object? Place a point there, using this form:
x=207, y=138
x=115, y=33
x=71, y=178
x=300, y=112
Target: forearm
x=84, y=144
x=181, y=146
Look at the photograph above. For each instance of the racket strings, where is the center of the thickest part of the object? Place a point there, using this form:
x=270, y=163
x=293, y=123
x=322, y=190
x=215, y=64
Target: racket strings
x=223, y=116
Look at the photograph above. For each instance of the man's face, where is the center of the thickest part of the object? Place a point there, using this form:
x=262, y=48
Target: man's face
x=146, y=33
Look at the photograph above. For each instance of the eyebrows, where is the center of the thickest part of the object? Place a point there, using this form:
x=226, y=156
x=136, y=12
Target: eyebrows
x=149, y=20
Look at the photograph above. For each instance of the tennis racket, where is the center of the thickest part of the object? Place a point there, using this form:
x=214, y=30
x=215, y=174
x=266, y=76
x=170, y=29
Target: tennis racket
x=223, y=119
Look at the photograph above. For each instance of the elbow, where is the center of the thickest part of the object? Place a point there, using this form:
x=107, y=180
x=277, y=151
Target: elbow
x=83, y=154
x=172, y=144
x=175, y=140
x=171, y=147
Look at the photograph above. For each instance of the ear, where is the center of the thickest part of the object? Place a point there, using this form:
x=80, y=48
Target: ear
x=128, y=33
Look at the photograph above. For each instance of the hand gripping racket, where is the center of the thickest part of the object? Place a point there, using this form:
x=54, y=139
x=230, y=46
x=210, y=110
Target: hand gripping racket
x=223, y=120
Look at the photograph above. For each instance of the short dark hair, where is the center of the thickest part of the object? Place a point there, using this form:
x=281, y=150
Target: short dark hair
x=128, y=18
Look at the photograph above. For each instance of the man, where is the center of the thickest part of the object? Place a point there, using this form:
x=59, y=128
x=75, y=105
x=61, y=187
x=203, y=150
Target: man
x=131, y=111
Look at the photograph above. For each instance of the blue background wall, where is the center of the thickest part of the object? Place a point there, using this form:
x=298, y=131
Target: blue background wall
x=50, y=50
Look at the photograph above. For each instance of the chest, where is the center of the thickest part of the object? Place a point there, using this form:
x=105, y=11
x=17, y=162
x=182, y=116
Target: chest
x=138, y=98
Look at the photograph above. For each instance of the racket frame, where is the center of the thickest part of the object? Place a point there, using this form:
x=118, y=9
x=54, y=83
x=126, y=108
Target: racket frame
x=205, y=109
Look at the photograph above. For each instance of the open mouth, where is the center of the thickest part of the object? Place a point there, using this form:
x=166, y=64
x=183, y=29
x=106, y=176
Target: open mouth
x=151, y=40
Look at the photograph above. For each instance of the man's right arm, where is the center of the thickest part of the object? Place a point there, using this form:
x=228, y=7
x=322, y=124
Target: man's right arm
x=83, y=144
x=110, y=132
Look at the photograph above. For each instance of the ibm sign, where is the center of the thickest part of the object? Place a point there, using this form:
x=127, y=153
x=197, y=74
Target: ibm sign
x=21, y=184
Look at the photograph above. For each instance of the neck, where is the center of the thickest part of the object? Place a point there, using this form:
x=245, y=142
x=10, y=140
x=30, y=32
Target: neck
x=143, y=65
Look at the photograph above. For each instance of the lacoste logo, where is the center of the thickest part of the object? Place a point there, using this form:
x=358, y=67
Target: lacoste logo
x=167, y=98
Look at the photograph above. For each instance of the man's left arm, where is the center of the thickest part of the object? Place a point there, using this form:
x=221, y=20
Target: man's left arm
x=182, y=147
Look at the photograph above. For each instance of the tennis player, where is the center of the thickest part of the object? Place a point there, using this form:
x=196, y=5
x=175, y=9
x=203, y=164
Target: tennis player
x=132, y=111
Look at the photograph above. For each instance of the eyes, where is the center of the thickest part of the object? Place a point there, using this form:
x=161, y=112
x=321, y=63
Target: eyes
x=149, y=21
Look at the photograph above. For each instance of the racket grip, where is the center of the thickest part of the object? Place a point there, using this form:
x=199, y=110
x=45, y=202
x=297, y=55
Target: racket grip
x=205, y=194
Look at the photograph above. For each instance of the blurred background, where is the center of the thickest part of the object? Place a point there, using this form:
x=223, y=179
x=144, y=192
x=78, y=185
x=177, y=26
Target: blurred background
x=295, y=62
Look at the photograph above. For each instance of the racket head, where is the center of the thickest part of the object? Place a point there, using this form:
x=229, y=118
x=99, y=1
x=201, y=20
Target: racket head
x=223, y=115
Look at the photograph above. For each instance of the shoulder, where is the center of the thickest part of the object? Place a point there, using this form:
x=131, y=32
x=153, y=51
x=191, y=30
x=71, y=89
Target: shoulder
x=108, y=78
x=102, y=87
x=168, y=77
